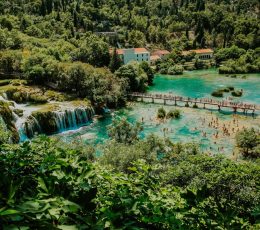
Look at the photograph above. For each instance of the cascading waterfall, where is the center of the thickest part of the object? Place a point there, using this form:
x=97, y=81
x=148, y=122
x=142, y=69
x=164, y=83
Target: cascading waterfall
x=57, y=121
x=33, y=121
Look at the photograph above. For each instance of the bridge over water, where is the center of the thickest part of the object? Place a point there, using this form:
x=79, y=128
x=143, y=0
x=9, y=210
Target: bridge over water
x=164, y=98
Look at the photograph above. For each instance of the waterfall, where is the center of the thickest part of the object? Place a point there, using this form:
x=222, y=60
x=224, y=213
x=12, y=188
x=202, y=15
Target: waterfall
x=33, y=121
x=56, y=121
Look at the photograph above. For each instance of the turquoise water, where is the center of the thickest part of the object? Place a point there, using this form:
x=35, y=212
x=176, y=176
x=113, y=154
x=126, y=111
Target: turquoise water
x=191, y=125
x=201, y=83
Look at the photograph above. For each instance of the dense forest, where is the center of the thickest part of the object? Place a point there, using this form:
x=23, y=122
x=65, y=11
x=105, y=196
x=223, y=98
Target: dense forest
x=52, y=50
x=135, y=184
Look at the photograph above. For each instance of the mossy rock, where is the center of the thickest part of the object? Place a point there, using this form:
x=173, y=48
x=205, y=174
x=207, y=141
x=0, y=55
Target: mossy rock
x=46, y=121
x=24, y=95
x=237, y=93
x=18, y=112
x=225, y=90
x=217, y=93
x=4, y=82
x=18, y=82
x=6, y=114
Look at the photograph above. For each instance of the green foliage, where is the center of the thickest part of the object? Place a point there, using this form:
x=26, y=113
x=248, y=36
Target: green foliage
x=248, y=141
x=123, y=131
x=94, y=51
x=115, y=61
x=5, y=134
x=157, y=185
x=237, y=93
x=7, y=126
x=134, y=74
x=175, y=70
x=30, y=194
x=238, y=60
x=175, y=113
x=217, y=93
x=161, y=113
x=149, y=72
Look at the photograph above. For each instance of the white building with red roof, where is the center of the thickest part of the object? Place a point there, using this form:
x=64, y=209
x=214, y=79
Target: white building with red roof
x=133, y=54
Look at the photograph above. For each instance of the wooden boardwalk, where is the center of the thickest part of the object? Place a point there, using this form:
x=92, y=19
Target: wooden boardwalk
x=235, y=106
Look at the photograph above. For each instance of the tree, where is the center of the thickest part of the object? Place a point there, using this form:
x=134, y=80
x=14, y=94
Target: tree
x=248, y=140
x=134, y=75
x=161, y=113
x=149, y=72
x=123, y=131
x=94, y=51
x=115, y=61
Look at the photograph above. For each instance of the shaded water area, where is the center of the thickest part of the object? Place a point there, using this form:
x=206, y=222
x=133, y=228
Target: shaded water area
x=193, y=126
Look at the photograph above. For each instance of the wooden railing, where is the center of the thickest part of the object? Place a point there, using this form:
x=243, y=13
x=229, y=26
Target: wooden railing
x=204, y=101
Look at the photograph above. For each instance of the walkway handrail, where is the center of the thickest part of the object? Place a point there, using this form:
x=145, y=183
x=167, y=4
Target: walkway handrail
x=210, y=101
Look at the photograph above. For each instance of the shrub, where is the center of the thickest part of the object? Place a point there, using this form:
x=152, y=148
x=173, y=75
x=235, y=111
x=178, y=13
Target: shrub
x=161, y=114
x=237, y=93
x=217, y=93
x=174, y=114
x=231, y=88
x=248, y=141
x=175, y=70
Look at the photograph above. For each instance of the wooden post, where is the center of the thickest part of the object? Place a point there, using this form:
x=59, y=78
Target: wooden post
x=204, y=107
x=235, y=109
x=218, y=107
x=164, y=101
x=175, y=102
x=152, y=100
x=142, y=99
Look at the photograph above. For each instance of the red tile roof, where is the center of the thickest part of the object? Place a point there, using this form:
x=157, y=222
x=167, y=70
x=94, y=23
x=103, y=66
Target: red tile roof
x=154, y=57
x=136, y=50
x=202, y=51
x=198, y=51
x=161, y=52
x=140, y=50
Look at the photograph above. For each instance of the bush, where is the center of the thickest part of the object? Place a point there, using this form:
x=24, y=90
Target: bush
x=237, y=93
x=175, y=70
x=217, y=93
x=248, y=141
x=161, y=114
x=231, y=88
x=174, y=114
